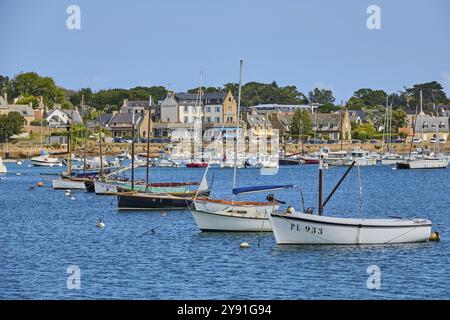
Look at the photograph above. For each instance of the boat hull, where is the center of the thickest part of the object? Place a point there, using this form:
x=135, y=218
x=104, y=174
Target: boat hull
x=423, y=164
x=208, y=221
x=105, y=188
x=300, y=228
x=68, y=184
x=44, y=163
x=135, y=201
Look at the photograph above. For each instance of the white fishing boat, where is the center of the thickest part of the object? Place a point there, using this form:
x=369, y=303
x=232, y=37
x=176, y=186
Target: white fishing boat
x=44, y=160
x=336, y=158
x=362, y=158
x=293, y=227
x=105, y=188
x=232, y=215
x=303, y=228
x=2, y=167
x=391, y=159
x=423, y=163
x=62, y=183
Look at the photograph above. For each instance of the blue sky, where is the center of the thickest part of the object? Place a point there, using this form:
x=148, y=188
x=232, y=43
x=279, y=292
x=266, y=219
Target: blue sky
x=304, y=43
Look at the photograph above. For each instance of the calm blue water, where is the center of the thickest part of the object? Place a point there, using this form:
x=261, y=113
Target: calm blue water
x=42, y=232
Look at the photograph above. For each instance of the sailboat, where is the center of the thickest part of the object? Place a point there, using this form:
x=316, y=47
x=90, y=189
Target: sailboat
x=232, y=215
x=424, y=162
x=2, y=167
x=151, y=198
x=389, y=158
x=292, y=227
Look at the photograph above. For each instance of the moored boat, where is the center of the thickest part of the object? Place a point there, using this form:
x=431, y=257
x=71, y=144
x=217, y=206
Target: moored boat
x=291, y=227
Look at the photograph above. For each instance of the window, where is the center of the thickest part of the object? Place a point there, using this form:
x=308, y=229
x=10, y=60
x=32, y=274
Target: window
x=208, y=109
x=229, y=99
x=433, y=125
x=186, y=109
x=217, y=109
x=441, y=125
x=185, y=119
x=217, y=119
x=208, y=119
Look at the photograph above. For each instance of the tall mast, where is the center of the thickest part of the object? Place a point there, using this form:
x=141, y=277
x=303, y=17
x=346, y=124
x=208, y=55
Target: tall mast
x=132, y=152
x=320, y=202
x=148, y=143
x=69, y=148
x=101, y=150
x=421, y=130
x=238, y=125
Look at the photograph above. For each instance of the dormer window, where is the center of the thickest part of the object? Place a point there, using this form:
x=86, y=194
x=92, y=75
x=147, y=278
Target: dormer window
x=441, y=125
x=425, y=125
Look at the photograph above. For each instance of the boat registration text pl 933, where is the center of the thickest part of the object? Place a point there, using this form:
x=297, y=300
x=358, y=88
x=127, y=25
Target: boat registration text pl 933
x=306, y=228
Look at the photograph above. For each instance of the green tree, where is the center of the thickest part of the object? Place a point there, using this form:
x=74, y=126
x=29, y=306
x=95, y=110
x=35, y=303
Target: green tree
x=375, y=115
x=31, y=84
x=26, y=100
x=399, y=118
x=432, y=93
x=10, y=124
x=363, y=131
x=321, y=96
x=371, y=98
x=301, y=123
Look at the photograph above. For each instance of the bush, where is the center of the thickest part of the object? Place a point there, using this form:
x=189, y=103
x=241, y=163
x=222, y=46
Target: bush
x=38, y=123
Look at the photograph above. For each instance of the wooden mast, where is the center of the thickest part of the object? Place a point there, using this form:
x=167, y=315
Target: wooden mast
x=101, y=150
x=148, y=144
x=132, y=153
x=320, y=207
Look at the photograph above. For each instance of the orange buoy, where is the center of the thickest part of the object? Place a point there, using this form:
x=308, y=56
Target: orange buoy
x=40, y=184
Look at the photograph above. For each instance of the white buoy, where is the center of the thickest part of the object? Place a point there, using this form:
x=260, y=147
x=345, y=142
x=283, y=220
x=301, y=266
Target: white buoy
x=72, y=198
x=67, y=194
x=29, y=166
x=244, y=245
x=19, y=162
x=18, y=173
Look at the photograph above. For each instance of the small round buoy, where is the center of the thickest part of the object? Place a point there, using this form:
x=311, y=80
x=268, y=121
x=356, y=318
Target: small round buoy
x=244, y=245
x=394, y=168
x=67, y=194
x=68, y=190
x=40, y=184
x=29, y=166
x=18, y=173
x=435, y=236
x=19, y=162
x=163, y=214
x=72, y=198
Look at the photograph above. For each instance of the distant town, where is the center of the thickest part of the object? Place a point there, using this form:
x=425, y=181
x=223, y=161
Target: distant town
x=35, y=111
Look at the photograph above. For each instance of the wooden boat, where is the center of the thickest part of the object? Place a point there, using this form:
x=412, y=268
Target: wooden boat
x=132, y=200
x=291, y=227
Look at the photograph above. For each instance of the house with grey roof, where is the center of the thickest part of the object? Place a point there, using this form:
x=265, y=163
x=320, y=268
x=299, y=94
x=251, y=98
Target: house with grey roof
x=427, y=127
x=25, y=110
x=121, y=125
x=333, y=126
x=103, y=121
x=185, y=107
x=59, y=118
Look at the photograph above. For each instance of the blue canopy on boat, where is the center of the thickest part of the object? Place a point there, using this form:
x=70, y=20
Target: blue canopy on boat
x=261, y=188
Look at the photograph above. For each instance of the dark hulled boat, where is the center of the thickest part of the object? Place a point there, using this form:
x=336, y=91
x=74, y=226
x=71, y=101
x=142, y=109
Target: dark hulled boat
x=132, y=200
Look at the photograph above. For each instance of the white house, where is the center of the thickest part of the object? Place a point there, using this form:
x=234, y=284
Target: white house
x=59, y=118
